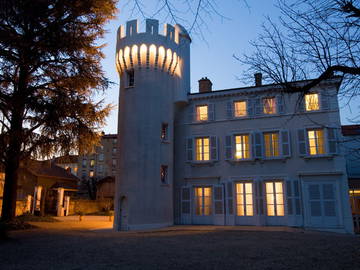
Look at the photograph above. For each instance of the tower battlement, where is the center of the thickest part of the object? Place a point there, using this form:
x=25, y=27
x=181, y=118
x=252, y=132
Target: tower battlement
x=150, y=49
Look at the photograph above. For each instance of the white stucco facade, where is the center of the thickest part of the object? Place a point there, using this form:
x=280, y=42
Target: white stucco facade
x=279, y=165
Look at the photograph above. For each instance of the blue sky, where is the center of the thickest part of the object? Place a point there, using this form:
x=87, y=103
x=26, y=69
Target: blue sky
x=211, y=54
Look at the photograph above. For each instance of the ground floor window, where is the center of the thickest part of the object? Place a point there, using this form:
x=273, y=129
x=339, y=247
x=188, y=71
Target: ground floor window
x=203, y=201
x=244, y=199
x=274, y=198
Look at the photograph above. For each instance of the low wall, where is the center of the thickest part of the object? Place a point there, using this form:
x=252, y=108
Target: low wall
x=89, y=206
x=20, y=207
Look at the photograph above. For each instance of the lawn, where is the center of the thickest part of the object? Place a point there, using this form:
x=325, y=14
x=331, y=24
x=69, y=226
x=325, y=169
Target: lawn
x=71, y=247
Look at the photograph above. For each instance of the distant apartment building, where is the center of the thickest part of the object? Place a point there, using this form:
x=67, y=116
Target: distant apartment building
x=102, y=163
x=69, y=163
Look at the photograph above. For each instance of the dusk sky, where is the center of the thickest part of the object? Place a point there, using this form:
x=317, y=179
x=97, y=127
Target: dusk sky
x=212, y=54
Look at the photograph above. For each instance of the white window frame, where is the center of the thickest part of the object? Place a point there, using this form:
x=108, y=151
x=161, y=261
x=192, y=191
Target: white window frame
x=234, y=108
x=274, y=193
x=272, y=156
x=202, y=146
x=263, y=105
x=235, y=146
x=244, y=195
x=197, y=116
x=324, y=131
x=318, y=101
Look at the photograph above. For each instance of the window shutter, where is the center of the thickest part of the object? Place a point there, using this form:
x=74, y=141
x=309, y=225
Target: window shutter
x=296, y=188
x=211, y=111
x=332, y=140
x=257, y=145
x=329, y=200
x=228, y=147
x=218, y=200
x=325, y=105
x=185, y=200
x=285, y=143
x=250, y=107
x=229, y=195
x=257, y=106
x=301, y=104
x=289, y=199
x=189, y=149
x=302, y=142
x=214, y=147
x=191, y=114
x=280, y=104
x=297, y=206
x=229, y=110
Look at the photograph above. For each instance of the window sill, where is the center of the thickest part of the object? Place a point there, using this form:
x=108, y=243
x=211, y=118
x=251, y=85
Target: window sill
x=202, y=163
x=238, y=161
x=325, y=156
x=274, y=158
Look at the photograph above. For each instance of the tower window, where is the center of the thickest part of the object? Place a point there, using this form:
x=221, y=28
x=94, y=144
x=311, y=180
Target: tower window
x=164, y=131
x=130, y=78
x=163, y=174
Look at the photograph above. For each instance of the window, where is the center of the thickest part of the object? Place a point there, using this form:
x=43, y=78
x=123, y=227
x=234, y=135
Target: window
x=316, y=141
x=274, y=198
x=114, y=150
x=271, y=144
x=91, y=173
x=163, y=173
x=92, y=163
x=130, y=78
x=312, y=102
x=240, y=109
x=203, y=201
x=75, y=169
x=242, y=148
x=164, y=131
x=202, y=113
x=269, y=106
x=114, y=162
x=84, y=163
x=101, y=157
x=202, y=149
x=100, y=168
x=114, y=141
x=244, y=199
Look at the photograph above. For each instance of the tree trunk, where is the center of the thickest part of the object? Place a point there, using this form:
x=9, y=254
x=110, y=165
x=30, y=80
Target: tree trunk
x=43, y=202
x=10, y=190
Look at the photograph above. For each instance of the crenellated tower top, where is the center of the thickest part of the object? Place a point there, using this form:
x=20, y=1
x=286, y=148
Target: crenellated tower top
x=149, y=49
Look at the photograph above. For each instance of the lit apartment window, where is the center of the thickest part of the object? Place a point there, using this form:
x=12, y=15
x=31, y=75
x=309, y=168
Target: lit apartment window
x=271, y=141
x=203, y=201
x=242, y=147
x=130, y=78
x=202, y=113
x=84, y=163
x=75, y=169
x=92, y=163
x=244, y=199
x=269, y=105
x=240, y=109
x=312, y=102
x=316, y=141
x=163, y=173
x=91, y=173
x=164, y=131
x=274, y=198
x=202, y=149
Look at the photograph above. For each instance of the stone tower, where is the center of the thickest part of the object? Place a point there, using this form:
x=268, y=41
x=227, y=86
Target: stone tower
x=154, y=72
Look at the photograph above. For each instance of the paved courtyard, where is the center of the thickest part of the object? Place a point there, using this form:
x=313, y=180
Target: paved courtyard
x=90, y=244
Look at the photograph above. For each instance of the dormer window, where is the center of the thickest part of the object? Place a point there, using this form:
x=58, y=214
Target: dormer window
x=312, y=102
x=130, y=78
x=202, y=113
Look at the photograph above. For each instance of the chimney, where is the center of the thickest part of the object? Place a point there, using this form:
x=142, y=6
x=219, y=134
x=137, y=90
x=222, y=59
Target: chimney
x=205, y=85
x=258, y=79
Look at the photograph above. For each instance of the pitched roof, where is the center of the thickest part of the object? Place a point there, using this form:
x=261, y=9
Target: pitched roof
x=49, y=169
x=66, y=159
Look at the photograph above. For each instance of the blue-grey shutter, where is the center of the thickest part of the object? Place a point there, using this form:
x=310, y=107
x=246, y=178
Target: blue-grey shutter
x=258, y=106
x=185, y=200
x=296, y=188
x=280, y=104
x=189, y=149
x=257, y=144
x=211, y=108
x=285, y=143
x=218, y=200
x=324, y=98
x=301, y=103
x=329, y=200
x=250, y=107
x=214, y=147
x=191, y=114
x=332, y=140
x=229, y=195
x=229, y=147
x=229, y=109
x=302, y=142
x=289, y=199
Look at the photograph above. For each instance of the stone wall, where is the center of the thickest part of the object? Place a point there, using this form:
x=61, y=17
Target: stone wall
x=89, y=206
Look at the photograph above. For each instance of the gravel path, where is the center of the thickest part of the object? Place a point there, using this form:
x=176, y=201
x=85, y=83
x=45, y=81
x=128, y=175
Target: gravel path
x=70, y=245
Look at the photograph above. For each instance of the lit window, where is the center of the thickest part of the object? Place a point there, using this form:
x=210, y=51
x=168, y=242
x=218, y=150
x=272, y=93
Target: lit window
x=92, y=163
x=91, y=174
x=244, y=199
x=75, y=169
x=274, y=198
x=203, y=201
x=316, y=141
x=271, y=144
x=312, y=102
x=130, y=78
x=240, y=108
x=202, y=113
x=163, y=173
x=269, y=105
x=242, y=148
x=202, y=149
x=164, y=131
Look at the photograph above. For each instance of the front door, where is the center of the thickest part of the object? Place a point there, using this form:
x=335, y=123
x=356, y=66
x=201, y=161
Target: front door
x=203, y=205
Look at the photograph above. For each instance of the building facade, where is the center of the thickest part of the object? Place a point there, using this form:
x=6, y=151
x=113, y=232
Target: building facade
x=244, y=156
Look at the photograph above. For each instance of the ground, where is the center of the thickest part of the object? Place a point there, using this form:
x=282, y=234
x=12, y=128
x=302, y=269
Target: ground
x=90, y=244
